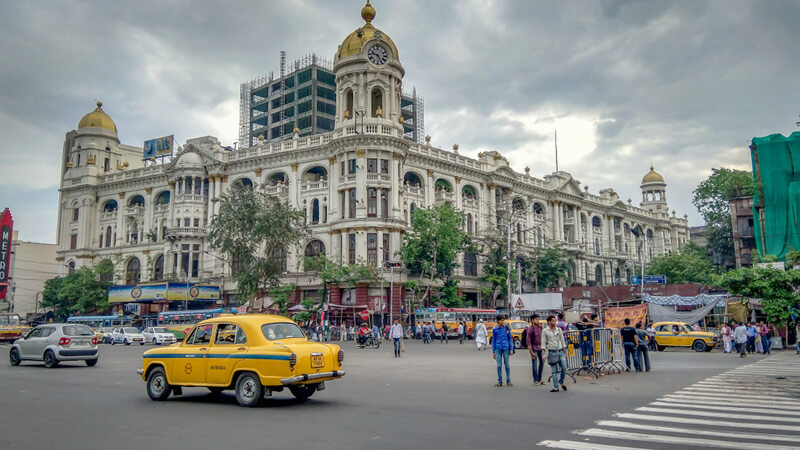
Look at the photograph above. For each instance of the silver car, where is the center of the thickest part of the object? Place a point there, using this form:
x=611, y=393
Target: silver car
x=53, y=343
x=158, y=335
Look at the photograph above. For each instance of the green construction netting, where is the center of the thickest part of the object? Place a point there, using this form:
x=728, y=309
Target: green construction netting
x=776, y=200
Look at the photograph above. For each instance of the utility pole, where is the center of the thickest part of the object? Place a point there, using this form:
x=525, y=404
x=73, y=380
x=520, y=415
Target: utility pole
x=508, y=258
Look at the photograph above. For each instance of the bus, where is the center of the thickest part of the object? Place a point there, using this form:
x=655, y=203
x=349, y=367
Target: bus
x=95, y=322
x=452, y=317
x=180, y=323
x=10, y=327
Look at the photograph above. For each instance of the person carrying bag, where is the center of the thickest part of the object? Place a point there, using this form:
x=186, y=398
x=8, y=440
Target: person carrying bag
x=553, y=341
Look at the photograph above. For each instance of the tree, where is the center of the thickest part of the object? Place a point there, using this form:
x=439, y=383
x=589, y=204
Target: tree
x=82, y=291
x=545, y=266
x=431, y=246
x=711, y=198
x=777, y=289
x=280, y=297
x=255, y=233
x=689, y=265
x=332, y=272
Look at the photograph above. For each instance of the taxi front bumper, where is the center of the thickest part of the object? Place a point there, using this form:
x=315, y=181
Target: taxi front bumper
x=313, y=376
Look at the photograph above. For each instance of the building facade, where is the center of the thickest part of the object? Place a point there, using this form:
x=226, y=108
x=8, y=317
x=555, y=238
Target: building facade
x=305, y=98
x=358, y=184
x=32, y=263
x=744, y=240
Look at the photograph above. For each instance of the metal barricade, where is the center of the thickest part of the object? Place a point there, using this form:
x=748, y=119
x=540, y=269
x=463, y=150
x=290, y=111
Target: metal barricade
x=604, y=350
x=573, y=353
x=619, y=352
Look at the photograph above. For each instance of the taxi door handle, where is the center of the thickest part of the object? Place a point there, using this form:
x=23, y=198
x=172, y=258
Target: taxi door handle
x=203, y=349
x=241, y=348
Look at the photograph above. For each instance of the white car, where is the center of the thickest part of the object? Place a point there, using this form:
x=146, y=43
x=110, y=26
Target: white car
x=53, y=343
x=158, y=335
x=127, y=336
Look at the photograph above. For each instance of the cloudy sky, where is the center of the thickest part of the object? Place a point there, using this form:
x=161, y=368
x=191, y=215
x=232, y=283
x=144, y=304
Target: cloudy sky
x=682, y=84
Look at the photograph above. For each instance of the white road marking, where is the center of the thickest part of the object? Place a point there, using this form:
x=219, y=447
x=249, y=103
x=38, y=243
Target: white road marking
x=719, y=423
x=575, y=445
x=705, y=432
x=647, y=437
x=717, y=415
x=721, y=397
x=716, y=408
x=743, y=392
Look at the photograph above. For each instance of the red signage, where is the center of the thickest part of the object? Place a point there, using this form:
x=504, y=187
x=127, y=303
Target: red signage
x=364, y=315
x=6, y=231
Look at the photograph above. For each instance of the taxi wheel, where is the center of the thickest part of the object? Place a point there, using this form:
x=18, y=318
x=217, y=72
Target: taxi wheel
x=141, y=343
x=517, y=343
x=91, y=362
x=50, y=360
x=157, y=386
x=661, y=348
x=699, y=346
x=248, y=390
x=13, y=357
x=126, y=342
x=304, y=391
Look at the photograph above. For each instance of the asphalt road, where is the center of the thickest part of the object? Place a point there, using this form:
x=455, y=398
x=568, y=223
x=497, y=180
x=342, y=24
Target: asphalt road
x=436, y=396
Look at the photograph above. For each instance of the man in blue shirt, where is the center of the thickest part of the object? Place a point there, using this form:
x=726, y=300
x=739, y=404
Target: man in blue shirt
x=752, y=332
x=502, y=346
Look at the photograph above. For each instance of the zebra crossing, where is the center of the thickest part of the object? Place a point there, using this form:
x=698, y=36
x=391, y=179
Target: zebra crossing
x=752, y=406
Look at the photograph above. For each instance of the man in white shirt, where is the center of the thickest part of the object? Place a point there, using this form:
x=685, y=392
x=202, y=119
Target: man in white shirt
x=740, y=336
x=396, y=334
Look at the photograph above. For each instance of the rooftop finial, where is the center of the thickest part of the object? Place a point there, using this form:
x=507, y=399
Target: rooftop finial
x=99, y=104
x=368, y=12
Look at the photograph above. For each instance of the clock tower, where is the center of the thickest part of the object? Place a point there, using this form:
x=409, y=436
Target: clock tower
x=368, y=78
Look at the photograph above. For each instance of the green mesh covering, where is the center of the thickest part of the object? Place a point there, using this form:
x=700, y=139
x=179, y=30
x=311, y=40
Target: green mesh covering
x=776, y=200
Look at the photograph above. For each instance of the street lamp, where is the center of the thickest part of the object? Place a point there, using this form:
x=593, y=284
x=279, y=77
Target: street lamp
x=639, y=232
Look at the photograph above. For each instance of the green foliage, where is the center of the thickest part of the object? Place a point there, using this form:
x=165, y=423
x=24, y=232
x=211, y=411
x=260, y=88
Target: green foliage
x=332, y=272
x=435, y=239
x=413, y=300
x=792, y=258
x=280, y=297
x=494, y=248
x=448, y=295
x=252, y=230
x=689, y=265
x=777, y=289
x=545, y=266
x=711, y=199
x=80, y=292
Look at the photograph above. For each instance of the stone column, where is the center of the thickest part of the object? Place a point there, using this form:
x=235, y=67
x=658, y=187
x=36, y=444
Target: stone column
x=149, y=208
x=492, y=213
x=120, y=220
x=394, y=195
x=430, y=189
x=333, y=188
x=457, y=193
x=294, y=187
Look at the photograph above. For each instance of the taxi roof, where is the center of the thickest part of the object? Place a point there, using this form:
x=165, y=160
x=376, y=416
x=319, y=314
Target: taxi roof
x=249, y=319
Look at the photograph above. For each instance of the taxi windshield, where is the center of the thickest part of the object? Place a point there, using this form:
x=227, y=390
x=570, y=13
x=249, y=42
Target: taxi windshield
x=518, y=325
x=283, y=330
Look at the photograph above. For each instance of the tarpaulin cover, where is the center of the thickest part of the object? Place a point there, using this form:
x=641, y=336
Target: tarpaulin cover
x=776, y=170
x=660, y=313
x=614, y=317
x=738, y=311
x=680, y=300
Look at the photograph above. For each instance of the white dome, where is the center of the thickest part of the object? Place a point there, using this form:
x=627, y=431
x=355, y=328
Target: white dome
x=190, y=159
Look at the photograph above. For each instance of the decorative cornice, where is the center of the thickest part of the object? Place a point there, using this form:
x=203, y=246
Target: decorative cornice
x=294, y=167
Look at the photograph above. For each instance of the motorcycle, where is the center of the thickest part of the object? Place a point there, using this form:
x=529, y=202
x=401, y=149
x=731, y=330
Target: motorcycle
x=368, y=341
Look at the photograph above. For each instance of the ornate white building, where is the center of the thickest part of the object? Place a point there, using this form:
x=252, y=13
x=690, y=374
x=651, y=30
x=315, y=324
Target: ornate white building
x=358, y=184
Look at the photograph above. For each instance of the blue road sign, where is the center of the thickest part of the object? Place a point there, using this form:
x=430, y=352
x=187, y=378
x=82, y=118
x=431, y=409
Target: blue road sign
x=649, y=279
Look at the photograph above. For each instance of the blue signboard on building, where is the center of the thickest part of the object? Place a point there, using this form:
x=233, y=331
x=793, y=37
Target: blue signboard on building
x=649, y=279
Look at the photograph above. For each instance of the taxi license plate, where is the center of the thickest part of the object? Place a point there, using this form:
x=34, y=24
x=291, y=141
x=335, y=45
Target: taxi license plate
x=137, y=339
x=317, y=361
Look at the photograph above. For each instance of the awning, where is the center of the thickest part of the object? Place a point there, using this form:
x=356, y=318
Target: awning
x=680, y=300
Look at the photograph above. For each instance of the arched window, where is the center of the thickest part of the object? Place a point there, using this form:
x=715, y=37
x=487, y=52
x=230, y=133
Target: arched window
x=372, y=202
x=315, y=173
x=314, y=249
x=315, y=211
x=470, y=264
x=348, y=112
x=649, y=234
x=136, y=200
x=106, y=271
x=469, y=192
x=242, y=183
x=162, y=198
x=538, y=209
x=71, y=266
x=443, y=185
x=108, y=236
x=110, y=206
x=278, y=257
x=596, y=223
x=598, y=275
x=133, y=271
x=377, y=103
x=518, y=204
x=412, y=179
x=158, y=268
x=469, y=223
x=276, y=179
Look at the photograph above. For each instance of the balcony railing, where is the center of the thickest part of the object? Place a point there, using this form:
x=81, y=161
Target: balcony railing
x=445, y=195
x=278, y=189
x=313, y=185
x=186, y=231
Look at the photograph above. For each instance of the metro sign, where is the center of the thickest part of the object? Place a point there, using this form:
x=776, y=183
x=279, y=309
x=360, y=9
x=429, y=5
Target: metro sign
x=6, y=231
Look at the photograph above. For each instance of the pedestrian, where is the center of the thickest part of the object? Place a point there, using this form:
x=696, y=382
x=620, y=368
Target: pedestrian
x=376, y=332
x=651, y=332
x=561, y=323
x=460, y=332
x=763, y=332
x=727, y=337
x=426, y=333
x=396, y=334
x=752, y=332
x=553, y=342
x=386, y=331
x=502, y=347
x=466, y=331
x=418, y=331
x=797, y=337
x=481, y=335
x=644, y=351
x=444, y=334
x=740, y=336
x=631, y=343
x=533, y=339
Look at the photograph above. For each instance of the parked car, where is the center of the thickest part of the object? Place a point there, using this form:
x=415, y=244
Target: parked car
x=253, y=355
x=127, y=336
x=54, y=343
x=103, y=334
x=158, y=335
x=677, y=334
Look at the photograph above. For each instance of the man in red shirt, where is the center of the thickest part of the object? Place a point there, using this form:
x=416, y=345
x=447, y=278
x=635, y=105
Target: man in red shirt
x=533, y=339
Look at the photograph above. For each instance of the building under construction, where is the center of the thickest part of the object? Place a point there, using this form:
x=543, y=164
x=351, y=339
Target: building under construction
x=303, y=96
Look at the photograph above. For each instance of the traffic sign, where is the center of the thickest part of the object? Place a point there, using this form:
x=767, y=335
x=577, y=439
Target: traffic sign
x=649, y=279
x=364, y=315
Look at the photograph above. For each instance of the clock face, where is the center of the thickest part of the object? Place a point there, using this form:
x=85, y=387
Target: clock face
x=377, y=55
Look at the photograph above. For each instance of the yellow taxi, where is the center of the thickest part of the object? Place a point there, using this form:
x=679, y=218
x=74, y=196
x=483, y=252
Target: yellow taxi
x=517, y=327
x=253, y=354
x=677, y=334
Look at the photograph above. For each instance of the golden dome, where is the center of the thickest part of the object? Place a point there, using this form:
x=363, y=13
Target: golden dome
x=98, y=119
x=652, y=177
x=354, y=41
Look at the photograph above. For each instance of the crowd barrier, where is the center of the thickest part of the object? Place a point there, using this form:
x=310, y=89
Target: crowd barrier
x=594, y=351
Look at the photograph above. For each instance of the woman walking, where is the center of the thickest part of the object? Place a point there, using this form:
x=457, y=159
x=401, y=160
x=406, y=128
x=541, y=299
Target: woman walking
x=554, y=344
x=727, y=337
